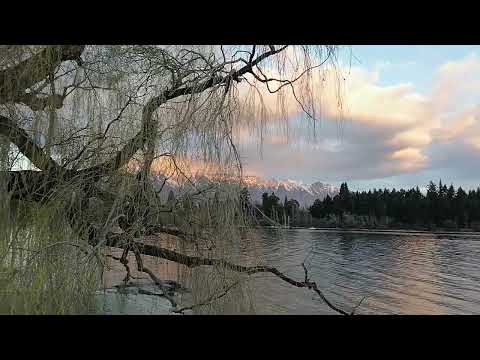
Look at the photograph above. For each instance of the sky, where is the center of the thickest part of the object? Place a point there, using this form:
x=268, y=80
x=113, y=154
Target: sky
x=410, y=114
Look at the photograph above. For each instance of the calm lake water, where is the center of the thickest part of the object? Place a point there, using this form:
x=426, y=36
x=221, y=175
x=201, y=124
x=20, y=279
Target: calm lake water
x=397, y=272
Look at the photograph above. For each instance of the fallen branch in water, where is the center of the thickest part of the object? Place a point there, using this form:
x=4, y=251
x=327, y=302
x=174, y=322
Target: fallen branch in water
x=140, y=267
x=313, y=286
x=155, y=279
x=115, y=240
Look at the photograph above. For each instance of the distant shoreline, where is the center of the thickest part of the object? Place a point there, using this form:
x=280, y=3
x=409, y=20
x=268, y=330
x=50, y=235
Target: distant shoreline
x=386, y=231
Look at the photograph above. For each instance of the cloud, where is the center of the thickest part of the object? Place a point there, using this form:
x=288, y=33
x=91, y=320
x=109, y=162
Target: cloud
x=416, y=138
x=409, y=158
x=381, y=131
x=457, y=83
x=454, y=128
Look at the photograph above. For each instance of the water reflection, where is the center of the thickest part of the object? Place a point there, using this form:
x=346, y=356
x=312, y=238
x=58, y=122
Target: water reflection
x=399, y=273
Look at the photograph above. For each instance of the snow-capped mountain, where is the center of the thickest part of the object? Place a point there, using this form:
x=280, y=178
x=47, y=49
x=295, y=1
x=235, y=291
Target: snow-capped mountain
x=305, y=194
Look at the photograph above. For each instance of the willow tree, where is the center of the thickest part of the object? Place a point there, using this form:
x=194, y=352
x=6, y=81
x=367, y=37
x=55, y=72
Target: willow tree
x=84, y=129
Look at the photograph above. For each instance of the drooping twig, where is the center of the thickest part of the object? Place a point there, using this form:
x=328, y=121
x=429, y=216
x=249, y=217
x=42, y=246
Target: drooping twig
x=208, y=300
x=357, y=306
x=313, y=285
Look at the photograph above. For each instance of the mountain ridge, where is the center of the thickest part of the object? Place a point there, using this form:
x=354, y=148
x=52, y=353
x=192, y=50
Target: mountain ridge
x=304, y=193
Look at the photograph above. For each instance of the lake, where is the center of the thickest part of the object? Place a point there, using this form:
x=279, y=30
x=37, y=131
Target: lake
x=397, y=272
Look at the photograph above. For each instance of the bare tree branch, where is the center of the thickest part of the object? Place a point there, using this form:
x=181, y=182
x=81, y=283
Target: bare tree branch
x=114, y=240
x=137, y=142
x=23, y=141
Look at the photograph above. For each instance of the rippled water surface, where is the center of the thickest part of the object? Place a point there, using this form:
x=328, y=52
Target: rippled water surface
x=397, y=272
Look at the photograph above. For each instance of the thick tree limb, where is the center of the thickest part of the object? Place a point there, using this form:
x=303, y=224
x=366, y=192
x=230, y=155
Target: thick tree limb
x=23, y=141
x=16, y=79
x=31, y=185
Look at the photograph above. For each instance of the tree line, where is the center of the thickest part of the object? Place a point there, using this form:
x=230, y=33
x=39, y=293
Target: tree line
x=286, y=212
x=441, y=206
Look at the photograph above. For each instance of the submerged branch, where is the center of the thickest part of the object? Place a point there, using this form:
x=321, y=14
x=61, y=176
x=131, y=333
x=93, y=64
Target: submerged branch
x=115, y=240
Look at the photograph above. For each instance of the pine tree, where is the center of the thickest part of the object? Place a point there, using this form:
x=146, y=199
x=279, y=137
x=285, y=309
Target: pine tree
x=450, y=211
x=460, y=207
x=432, y=203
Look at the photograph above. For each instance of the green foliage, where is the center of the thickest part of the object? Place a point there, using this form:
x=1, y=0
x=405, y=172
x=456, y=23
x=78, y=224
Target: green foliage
x=43, y=267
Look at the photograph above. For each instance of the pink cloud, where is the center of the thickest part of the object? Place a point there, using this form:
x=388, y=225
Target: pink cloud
x=406, y=122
